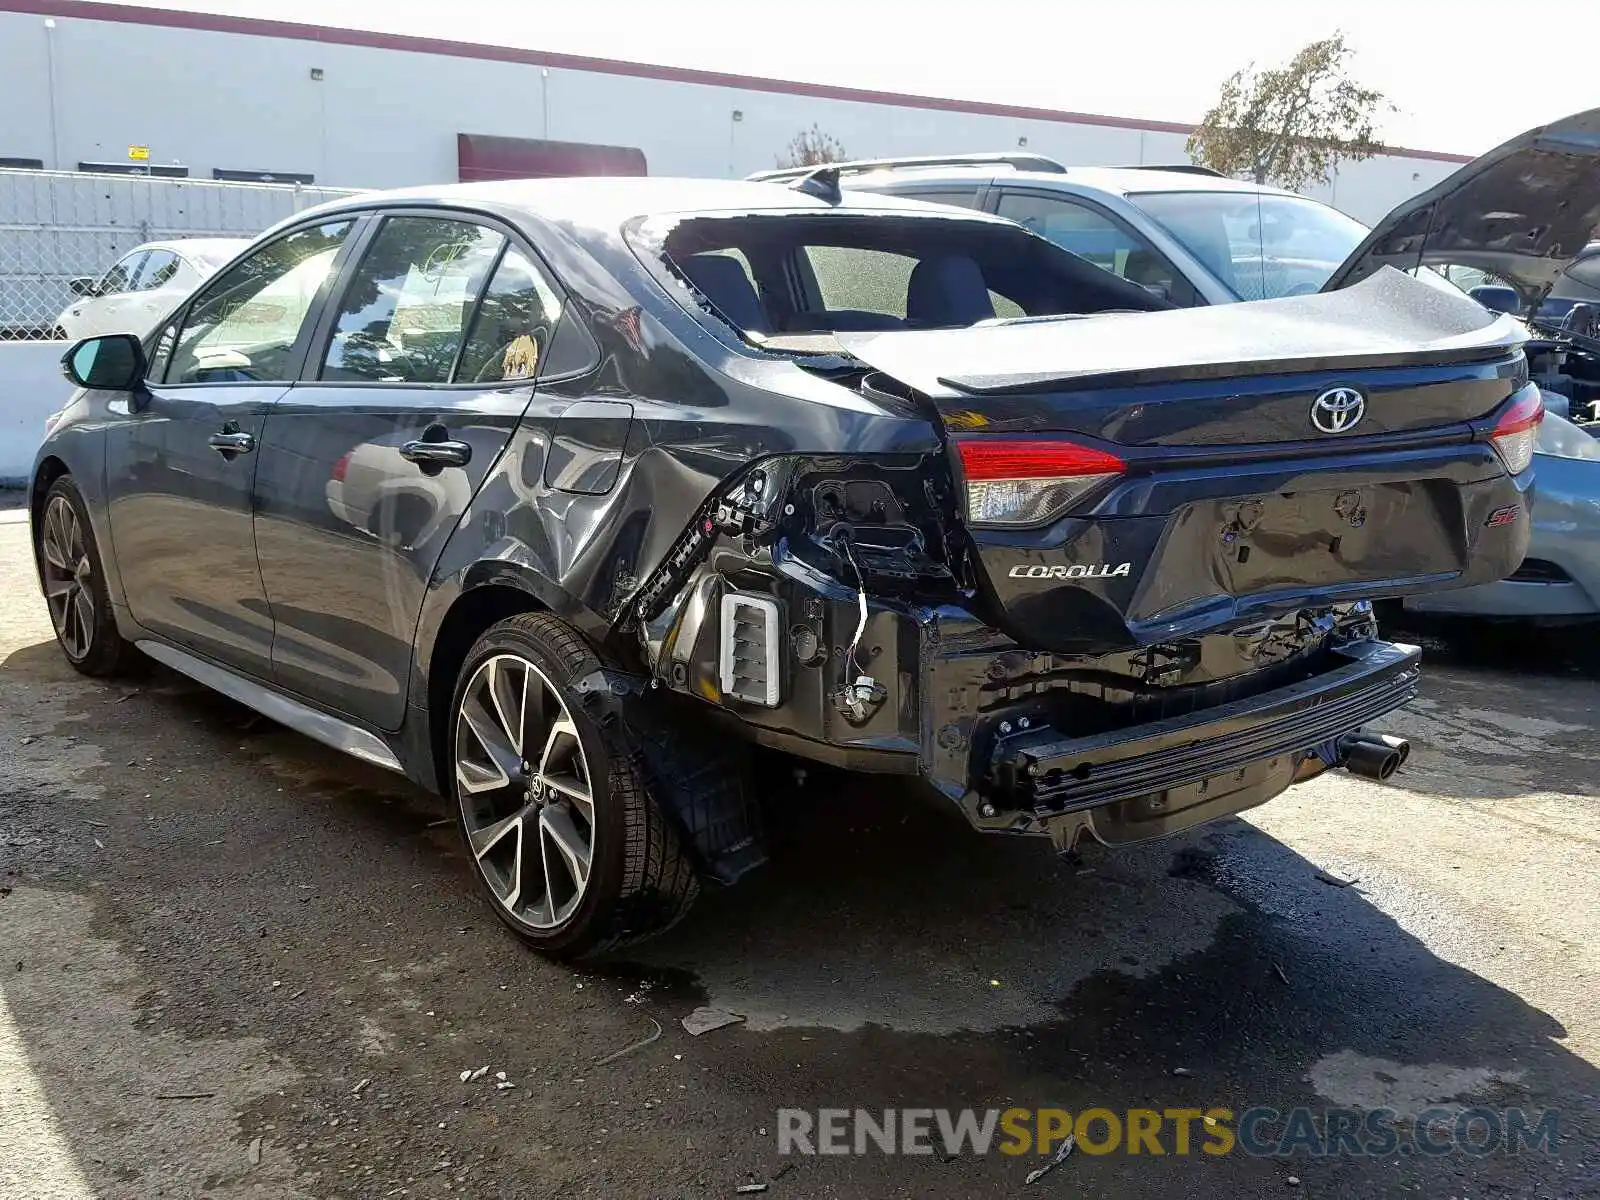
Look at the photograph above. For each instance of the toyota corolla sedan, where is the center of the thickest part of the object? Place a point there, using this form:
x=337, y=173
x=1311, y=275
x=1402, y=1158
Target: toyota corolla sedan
x=556, y=495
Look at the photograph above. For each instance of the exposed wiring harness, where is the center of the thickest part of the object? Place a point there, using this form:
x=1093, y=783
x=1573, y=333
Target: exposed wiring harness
x=859, y=695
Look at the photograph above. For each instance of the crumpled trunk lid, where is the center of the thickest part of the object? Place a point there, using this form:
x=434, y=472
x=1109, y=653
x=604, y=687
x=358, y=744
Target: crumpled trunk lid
x=1252, y=485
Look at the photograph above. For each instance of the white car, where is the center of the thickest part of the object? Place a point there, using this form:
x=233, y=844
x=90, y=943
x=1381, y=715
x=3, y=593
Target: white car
x=143, y=286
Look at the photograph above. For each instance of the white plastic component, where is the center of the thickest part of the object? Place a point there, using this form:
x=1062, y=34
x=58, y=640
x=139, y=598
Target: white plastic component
x=751, y=662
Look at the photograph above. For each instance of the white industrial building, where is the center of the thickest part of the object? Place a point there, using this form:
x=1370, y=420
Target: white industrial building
x=213, y=97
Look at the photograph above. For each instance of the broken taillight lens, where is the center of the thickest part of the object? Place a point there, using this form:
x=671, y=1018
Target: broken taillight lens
x=1516, y=433
x=1014, y=483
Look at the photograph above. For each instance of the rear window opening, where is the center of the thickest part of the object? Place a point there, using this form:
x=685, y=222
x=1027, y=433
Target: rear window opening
x=783, y=280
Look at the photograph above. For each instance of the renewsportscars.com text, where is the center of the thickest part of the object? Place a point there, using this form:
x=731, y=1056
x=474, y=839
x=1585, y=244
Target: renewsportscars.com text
x=1259, y=1132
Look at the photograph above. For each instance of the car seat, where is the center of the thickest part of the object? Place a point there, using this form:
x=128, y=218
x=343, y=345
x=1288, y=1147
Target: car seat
x=947, y=290
x=722, y=281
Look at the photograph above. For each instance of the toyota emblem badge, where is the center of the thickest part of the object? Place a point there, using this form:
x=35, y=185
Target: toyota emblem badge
x=1338, y=410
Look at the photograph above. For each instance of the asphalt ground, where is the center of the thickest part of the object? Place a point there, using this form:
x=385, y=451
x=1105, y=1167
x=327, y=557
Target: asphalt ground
x=235, y=964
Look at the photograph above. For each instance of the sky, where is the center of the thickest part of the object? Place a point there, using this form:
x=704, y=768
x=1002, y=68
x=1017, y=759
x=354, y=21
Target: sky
x=1437, y=62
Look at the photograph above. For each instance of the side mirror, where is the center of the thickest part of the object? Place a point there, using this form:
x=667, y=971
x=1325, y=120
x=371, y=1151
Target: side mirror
x=1497, y=298
x=114, y=363
x=83, y=285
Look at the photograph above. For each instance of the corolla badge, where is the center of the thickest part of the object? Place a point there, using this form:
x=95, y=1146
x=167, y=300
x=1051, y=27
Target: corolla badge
x=1076, y=571
x=1338, y=410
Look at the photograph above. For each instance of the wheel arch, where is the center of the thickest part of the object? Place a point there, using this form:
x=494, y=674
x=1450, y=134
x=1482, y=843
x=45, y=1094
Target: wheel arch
x=463, y=623
x=458, y=609
x=45, y=472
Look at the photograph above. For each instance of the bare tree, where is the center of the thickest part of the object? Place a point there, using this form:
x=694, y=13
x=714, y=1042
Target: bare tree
x=1291, y=124
x=811, y=148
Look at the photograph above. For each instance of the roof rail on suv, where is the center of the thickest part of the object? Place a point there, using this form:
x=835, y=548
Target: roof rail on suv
x=860, y=166
x=1185, y=168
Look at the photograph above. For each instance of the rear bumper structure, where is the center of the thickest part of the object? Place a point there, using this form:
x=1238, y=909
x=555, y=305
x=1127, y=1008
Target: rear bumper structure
x=1165, y=776
x=1122, y=747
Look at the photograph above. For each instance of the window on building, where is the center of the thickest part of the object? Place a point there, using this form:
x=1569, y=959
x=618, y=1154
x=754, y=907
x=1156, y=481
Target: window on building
x=262, y=176
x=482, y=156
x=158, y=170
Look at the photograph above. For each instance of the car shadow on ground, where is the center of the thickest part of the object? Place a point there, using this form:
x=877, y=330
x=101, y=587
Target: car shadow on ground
x=1518, y=647
x=885, y=957
x=890, y=957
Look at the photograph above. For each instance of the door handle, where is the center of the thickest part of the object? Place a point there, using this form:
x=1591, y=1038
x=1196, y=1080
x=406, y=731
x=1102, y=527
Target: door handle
x=231, y=442
x=436, y=454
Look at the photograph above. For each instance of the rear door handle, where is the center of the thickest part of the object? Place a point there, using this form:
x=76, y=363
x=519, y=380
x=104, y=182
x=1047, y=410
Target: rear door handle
x=436, y=454
x=231, y=442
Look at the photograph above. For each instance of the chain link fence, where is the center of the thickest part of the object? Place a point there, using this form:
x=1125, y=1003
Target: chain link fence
x=56, y=226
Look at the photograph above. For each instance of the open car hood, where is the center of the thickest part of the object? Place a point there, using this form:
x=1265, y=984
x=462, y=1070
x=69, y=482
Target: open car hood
x=1522, y=211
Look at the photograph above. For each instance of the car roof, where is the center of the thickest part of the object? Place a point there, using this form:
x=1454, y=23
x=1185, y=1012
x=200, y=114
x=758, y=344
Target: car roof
x=1121, y=181
x=199, y=246
x=603, y=200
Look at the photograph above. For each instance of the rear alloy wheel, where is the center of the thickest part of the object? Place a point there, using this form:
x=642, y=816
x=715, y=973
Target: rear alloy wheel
x=517, y=749
x=573, y=854
x=74, y=587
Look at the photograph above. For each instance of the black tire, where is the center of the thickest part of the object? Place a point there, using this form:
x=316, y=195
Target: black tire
x=107, y=652
x=640, y=881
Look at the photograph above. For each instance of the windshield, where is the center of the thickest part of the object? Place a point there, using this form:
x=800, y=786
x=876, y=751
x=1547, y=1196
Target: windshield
x=1260, y=245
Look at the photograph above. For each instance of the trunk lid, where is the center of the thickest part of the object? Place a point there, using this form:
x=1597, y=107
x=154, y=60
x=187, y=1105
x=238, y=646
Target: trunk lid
x=1522, y=212
x=1264, y=458
x=1223, y=375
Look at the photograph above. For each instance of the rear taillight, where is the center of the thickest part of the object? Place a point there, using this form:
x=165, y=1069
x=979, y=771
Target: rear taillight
x=1015, y=483
x=340, y=466
x=1516, y=433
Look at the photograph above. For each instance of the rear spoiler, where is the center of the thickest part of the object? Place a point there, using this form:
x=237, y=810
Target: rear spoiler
x=1386, y=320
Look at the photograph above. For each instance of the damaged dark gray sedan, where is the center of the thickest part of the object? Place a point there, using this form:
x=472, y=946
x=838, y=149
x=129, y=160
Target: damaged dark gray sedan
x=553, y=495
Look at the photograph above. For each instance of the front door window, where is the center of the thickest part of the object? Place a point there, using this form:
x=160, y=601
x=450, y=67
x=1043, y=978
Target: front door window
x=404, y=316
x=243, y=326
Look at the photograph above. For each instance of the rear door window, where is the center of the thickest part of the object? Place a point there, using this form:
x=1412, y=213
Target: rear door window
x=515, y=324
x=159, y=268
x=959, y=197
x=1582, y=279
x=403, y=317
x=1096, y=236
